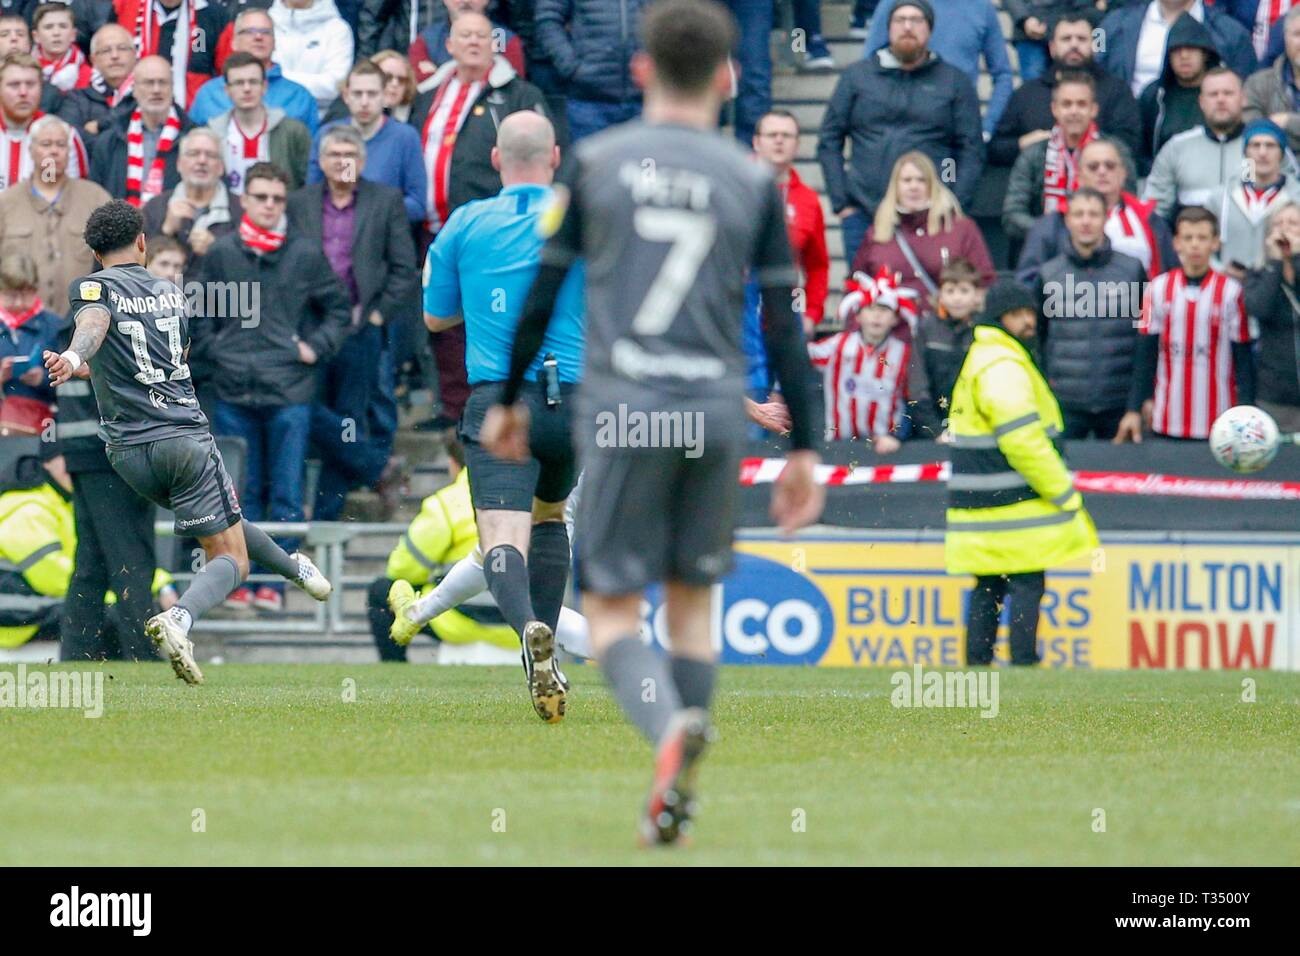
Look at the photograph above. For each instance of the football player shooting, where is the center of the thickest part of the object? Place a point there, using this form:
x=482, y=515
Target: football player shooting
x=667, y=216
x=131, y=341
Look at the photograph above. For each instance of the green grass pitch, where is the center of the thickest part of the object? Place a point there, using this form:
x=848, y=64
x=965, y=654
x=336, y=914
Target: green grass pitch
x=441, y=765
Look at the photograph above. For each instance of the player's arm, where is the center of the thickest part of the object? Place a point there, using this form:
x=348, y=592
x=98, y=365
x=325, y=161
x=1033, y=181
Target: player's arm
x=92, y=325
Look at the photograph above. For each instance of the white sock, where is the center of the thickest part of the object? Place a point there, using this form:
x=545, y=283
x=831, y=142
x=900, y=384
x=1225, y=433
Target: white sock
x=464, y=581
x=183, y=617
x=571, y=633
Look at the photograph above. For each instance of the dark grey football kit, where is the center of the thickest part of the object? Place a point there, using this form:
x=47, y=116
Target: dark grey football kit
x=156, y=435
x=670, y=221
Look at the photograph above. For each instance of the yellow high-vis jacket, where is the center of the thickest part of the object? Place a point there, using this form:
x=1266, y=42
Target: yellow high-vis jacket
x=441, y=534
x=37, y=541
x=1012, y=506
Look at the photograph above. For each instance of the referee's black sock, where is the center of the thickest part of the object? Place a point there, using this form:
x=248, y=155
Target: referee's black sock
x=639, y=677
x=548, y=570
x=507, y=579
x=694, y=680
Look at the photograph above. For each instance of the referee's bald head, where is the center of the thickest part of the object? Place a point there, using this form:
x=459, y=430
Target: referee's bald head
x=525, y=149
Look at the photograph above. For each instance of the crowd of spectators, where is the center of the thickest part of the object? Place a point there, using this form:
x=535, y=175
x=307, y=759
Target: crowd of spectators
x=312, y=149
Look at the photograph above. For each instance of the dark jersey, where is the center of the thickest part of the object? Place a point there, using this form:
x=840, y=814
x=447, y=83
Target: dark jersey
x=670, y=222
x=141, y=381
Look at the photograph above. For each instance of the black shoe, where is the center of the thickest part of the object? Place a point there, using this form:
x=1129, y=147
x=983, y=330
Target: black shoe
x=440, y=423
x=671, y=805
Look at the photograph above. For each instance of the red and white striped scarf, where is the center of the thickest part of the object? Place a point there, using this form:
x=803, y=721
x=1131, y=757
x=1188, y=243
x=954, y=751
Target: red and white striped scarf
x=1257, y=199
x=12, y=320
x=16, y=156
x=113, y=97
x=1128, y=227
x=141, y=187
x=451, y=106
x=185, y=38
x=67, y=71
x=1266, y=14
x=263, y=240
x=1061, y=168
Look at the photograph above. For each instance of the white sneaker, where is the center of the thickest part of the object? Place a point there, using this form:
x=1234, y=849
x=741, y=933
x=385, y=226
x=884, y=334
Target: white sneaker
x=859, y=32
x=310, y=579
x=818, y=64
x=169, y=636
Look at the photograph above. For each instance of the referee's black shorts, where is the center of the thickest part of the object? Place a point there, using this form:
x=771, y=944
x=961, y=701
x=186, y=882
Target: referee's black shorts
x=549, y=476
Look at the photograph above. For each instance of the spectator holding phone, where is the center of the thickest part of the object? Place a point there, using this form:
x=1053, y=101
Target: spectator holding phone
x=27, y=329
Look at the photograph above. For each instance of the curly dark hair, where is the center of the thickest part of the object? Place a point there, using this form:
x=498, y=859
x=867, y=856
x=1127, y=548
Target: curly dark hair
x=113, y=226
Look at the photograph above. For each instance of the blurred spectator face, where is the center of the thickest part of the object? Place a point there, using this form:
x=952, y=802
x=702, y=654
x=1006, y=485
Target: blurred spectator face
x=1022, y=323
x=56, y=33
x=1291, y=37
x=153, y=86
x=913, y=189
x=1264, y=158
x=470, y=41
x=264, y=201
x=397, y=72
x=14, y=37
x=364, y=96
x=20, y=92
x=960, y=300
x=777, y=140
x=246, y=85
x=1286, y=221
x=199, y=162
x=340, y=162
x=1195, y=243
x=1222, y=101
x=168, y=264
x=17, y=301
x=113, y=54
x=255, y=35
x=50, y=153
x=1073, y=108
x=875, y=322
x=1102, y=168
x=1188, y=63
x=1071, y=43
x=1085, y=218
x=908, y=34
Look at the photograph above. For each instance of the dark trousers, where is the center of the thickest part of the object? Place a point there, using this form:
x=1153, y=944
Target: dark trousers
x=453, y=380
x=754, y=57
x=115, y=551
x=587, y=117
x=381, y=619
x=1024, y=592
x=341, y=422
x=1081, y=424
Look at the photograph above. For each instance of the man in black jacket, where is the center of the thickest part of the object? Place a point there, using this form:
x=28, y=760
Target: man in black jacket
x=265, y=361
x=362, y=227
x=1028, y=117
x=92, y=109
x=1091, y=299
x=903, y=97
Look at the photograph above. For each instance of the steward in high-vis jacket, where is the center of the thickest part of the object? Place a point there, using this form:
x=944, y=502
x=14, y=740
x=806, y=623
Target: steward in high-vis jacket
x=36, y=544
x=1012, y=507
x=442, y=533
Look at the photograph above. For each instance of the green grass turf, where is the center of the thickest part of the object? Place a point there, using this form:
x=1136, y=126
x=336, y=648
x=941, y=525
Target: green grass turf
x=417, y=769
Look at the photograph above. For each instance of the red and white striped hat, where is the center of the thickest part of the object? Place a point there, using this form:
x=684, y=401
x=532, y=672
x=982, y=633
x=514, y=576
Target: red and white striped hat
x=862, y=291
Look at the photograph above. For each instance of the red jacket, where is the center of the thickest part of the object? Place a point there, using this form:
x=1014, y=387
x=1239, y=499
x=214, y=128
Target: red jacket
x=964, y=240
x=806, y=228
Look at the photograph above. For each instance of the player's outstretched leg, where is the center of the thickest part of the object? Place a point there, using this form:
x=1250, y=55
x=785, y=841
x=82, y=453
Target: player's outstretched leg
x=296, y=568
x=461, y=583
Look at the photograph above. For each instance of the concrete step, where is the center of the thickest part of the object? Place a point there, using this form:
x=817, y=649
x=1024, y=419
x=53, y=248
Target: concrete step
x=818, y=87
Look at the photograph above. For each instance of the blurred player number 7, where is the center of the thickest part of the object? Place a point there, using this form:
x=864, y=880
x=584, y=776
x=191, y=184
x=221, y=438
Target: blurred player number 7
x=691, y=235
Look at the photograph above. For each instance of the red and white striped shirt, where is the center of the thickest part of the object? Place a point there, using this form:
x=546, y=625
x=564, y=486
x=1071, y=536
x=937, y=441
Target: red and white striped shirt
x=447, y=114
x=1266, y=14
x=865, y=385
x=16, y=155
x=1131, y=234
x=1197, y=325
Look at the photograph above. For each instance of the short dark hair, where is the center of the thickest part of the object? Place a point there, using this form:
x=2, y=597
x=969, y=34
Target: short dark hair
x=16, y=16
x=1087, y=192
x=687, y=40
x=366, y=67
x=113, y=226
x=1078, y=77
x=960, y=269
x=779, y=114
x=1220, y=70
x=238, y=59
x=1068, y=18
x=45, y=9
x=157, y=245
x=267, y=171
x=1192, y=215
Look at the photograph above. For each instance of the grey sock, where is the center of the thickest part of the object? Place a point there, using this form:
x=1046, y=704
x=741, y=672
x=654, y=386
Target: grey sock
x=507, y=579
x=262, y=550
x=641, y=684
x=210, y=586
x=694, y=680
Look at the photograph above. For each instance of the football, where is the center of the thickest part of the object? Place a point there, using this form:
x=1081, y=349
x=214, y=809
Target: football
x=1244, y=439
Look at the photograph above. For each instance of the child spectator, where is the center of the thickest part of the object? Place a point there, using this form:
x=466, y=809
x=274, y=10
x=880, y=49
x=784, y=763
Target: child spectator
x=871, y=383
x=27, y=329
x=167, y=259
x=54, y=32
x=944, y=333
x=1194, y=345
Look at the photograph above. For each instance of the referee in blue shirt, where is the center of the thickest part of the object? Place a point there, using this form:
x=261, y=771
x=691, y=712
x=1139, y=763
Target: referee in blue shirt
x=479, y=271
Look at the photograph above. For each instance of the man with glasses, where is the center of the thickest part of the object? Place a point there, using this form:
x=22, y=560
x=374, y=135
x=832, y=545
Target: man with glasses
x=92, y=110
x=255, y=33
x=265, y=366
x=255, y=133
x=200, y=209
